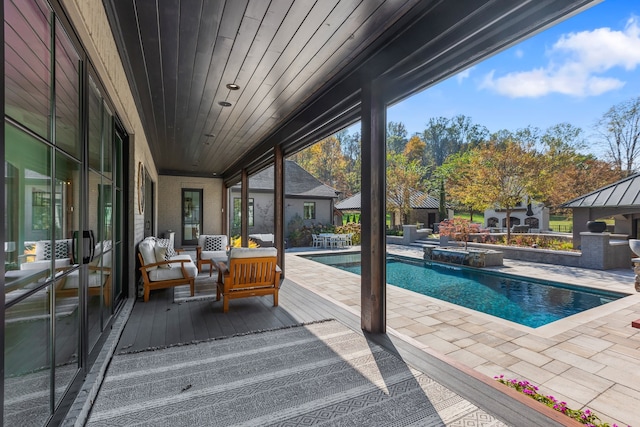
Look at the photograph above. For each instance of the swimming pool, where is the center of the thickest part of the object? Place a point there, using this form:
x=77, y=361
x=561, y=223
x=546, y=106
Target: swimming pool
x=530, y=302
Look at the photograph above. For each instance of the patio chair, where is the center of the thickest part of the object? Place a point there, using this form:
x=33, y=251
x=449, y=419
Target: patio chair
x=317, y=241
x=250, y=272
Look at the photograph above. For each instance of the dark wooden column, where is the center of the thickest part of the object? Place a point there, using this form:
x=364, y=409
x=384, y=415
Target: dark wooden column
x=373, y=279
x=244, y=209
x=278, y=202
x=224, y=202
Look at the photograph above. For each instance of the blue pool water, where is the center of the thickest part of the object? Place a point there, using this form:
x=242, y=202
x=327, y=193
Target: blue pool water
x=531, y=303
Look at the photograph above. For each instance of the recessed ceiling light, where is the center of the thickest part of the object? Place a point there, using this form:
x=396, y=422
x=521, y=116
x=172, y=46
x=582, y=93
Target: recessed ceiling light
x=232, y=86
x=225, y=103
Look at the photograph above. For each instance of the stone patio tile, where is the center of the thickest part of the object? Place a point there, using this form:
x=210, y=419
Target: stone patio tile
x=573, y=359
x=505, y=332
x=494, y=355
x=450, y=333
x=530, y=356
x=465, y=342
x=629, y=378
x=447, y=315
x=566, y=386
x=507, y=347
x=624, y=332
x=617, y=405
x=556, y=366
x=473, y=328
x=456, y=322
x=591, y=343
x=492, y=370
x=437, y=343
x=489, y=339
x=399, y=322
x=478, y=320
x=619, y=339
x=428, y=320
x=534, y=343
x=468, y=358
x=532, y=372
x=420, y=328
x=624, y=349
x=577, y=349
x=595, y=382
x=406, y=332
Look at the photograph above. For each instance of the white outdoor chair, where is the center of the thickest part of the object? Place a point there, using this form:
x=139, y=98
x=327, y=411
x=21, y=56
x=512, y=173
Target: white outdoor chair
x=317, y=241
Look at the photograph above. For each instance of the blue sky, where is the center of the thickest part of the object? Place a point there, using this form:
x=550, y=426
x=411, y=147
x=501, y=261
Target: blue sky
x=572, y=72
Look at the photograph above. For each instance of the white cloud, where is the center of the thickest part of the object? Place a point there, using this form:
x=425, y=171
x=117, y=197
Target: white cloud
x=461, y=76
x=576, y=66
x=519, y=53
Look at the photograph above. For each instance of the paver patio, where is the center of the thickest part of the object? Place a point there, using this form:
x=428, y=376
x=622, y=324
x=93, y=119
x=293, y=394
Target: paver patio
x=588, y=360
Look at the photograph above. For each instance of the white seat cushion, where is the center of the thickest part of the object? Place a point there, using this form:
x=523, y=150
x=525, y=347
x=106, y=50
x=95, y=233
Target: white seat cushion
x=175, y=272
x=252, y=252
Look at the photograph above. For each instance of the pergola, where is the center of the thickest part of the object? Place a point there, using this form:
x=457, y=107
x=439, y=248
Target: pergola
x=227, y=88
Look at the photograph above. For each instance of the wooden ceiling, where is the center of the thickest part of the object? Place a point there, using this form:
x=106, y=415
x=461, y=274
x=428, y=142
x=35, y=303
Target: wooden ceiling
x=299, y=65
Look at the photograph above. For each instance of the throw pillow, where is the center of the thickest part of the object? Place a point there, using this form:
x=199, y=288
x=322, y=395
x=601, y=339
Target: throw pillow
x=213, y=243
x=161, y=255
x=61, y=250
x=166, y=243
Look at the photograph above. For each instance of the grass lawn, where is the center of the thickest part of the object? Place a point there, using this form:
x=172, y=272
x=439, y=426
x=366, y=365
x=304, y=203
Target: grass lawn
x=556, y=222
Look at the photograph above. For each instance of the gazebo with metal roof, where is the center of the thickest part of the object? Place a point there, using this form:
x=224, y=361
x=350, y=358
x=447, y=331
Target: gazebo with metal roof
x=620, y=200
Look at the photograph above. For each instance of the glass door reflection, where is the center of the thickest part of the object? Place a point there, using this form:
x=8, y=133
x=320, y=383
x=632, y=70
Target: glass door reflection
x=191, y=216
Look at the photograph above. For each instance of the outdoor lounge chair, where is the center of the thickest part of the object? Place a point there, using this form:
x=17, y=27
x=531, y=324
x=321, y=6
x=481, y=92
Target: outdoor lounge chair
x=250, y=272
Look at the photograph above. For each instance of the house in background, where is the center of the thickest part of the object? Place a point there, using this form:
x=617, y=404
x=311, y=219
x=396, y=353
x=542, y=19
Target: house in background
x=528, y=212
x=305, y=197
x=619, y=200
x=424, y=209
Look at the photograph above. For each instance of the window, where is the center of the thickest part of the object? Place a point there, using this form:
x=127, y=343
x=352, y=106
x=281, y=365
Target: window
x=41, y=210
x=237, y=206
x=309, y=210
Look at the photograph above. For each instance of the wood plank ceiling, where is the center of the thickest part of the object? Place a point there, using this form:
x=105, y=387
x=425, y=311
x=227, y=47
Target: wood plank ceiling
x=299, y=65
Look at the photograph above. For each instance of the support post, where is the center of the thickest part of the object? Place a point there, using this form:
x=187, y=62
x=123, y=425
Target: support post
x=244, y=209
x=278, y=220
x=373, y=278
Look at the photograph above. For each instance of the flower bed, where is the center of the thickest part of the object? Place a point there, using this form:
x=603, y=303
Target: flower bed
x=585, y=417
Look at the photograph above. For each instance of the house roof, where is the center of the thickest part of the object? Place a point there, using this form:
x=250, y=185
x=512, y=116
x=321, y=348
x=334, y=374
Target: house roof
x=418, y=200
x=624, y=193
x=298, y=182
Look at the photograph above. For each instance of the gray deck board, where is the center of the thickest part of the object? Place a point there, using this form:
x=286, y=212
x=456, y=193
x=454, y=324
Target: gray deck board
x=204, y=319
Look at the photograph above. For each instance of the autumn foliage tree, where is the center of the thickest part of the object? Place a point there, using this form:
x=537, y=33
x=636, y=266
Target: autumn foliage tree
x=405, y=178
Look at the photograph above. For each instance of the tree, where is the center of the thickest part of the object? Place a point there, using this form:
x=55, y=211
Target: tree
x=445, y=137
x=436, y=137
x=415, y=148
x=460, y=183
x=404, y=178
x=620, y=128
x=396, y=137
x=325, y=161
x=506, y=173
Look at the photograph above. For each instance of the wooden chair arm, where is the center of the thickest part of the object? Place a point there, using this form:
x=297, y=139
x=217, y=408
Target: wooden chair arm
x=179, y=250
x=165, y=262
x=99, y=268
x=198, y=252
x=144, y=268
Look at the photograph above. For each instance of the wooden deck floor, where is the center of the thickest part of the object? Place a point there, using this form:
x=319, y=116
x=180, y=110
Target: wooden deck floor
x=160, y=322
